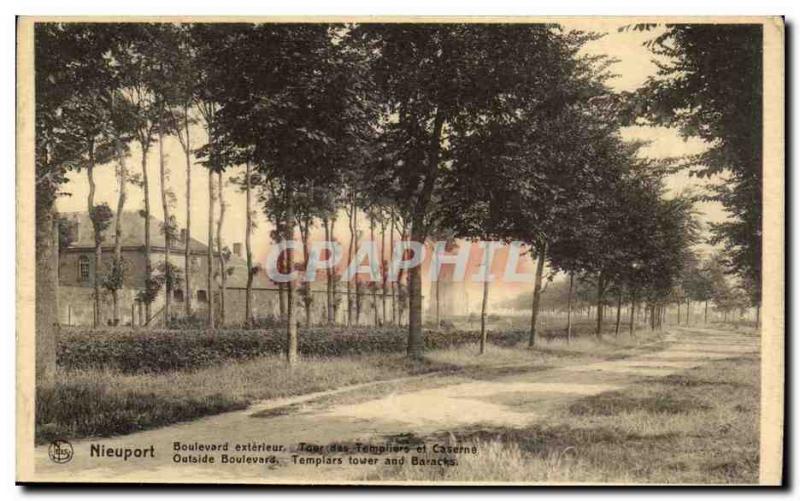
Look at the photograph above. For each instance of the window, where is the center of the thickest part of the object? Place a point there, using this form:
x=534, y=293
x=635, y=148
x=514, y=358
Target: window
x=178, y=295
x=83, y=269
x=202, y=296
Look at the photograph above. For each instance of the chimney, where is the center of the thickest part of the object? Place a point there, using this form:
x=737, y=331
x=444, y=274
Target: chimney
x=237, y=249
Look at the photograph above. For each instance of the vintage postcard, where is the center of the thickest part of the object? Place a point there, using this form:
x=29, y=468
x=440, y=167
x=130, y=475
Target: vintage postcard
x=400, y=251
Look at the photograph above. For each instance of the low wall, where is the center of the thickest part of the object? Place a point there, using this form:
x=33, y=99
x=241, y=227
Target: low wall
x=76, y=306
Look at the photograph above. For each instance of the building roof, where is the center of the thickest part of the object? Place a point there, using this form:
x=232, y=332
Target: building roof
x=133, y=236
x=132, y=232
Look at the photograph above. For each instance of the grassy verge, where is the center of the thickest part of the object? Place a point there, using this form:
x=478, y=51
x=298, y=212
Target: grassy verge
x=697, y=427
x=88, y=402
x=91, y=402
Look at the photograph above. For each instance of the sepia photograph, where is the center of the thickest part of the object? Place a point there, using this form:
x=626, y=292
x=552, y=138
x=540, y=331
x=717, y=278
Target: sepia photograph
x=400, y=251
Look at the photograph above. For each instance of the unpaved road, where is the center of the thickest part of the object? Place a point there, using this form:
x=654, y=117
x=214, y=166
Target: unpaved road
x=517, y=399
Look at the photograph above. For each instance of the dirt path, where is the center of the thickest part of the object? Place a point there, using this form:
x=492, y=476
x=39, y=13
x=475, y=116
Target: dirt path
x=517, y=399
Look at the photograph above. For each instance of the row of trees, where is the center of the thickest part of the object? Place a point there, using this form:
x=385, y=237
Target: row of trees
x=702, y=281
x=710, y=87
x=490, y=132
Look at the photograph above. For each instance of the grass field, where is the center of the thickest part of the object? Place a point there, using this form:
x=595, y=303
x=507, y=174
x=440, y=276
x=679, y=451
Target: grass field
x=700, y=426
x=87, y=402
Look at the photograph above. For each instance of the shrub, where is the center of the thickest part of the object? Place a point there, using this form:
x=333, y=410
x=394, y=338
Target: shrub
x=137, y=351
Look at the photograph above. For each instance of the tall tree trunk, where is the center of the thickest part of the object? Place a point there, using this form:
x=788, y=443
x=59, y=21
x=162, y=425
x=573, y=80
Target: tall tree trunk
x=118, y=265
x=393, y=285
x=418, y=234
x=652, y=316
x=705, y=313
x=437, y=319
x=438, y=304
x=403, y=305
x=374, y=287
x=415, y=336
x=282, y=285
x=305, y=230
x=349, y=262
x=619, y=312
x=569, y=307
x=187, y=263
x=148, y=262
x=537, y=294
x=383, y=270
x=658, y=317
x=357, y=284
x=484, y=299
x=328, y=281
x=210, y=253
x=46, y=291
x=167, y=230
x=291, y=323
x=98, y=239
x=223, y=272
x=600, y=292
x=248, y=297
x=632, y=314
x=688, y=311
x=334, y=278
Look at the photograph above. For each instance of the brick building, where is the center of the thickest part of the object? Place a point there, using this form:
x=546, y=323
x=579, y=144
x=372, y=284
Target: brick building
x=77, y=269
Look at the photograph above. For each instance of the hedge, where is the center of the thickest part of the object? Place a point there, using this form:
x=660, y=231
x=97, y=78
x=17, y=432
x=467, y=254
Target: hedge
x=138, y=351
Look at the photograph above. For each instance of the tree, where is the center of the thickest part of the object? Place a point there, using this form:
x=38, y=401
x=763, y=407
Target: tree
x=71, y=62
x=710, y=87
x=697, y=282
x=351, y=210
x=437, y=83
x=319, y=203
x=208, y=111
x=168, y=226
x=328, y=207
x=184, y=92
x=285, y=89
x=121, y=119
x=207, y=41
x=675, y=231
x=91, y=117
x=544, y=190
x=96, y=128
x=221, y=256
x=447, y=236
x=247, y=184
x=168, y=52
x=142, y=70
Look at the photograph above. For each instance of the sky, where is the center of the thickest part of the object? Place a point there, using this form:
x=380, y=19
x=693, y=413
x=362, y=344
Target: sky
x=634, y=65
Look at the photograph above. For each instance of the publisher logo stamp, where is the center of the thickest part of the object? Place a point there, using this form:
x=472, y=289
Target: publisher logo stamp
x=60, y=451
